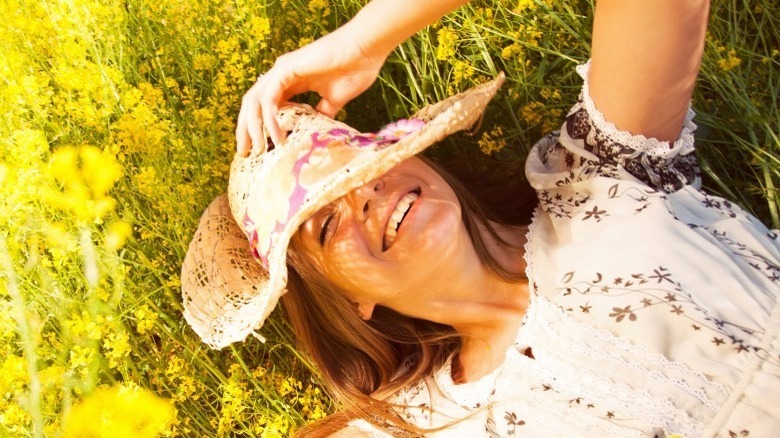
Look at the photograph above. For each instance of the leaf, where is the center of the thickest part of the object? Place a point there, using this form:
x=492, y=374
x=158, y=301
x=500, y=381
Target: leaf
x=612, y=192
x=568, y=277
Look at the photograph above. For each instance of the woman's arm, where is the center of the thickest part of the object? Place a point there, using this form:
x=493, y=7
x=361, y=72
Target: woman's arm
x=645, y=58
x=338, y=66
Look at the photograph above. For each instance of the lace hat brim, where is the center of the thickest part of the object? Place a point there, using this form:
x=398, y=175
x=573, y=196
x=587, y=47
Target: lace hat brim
x=235, y=268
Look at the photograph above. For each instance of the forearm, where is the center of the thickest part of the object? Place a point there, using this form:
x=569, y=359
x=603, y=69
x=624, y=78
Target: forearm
x=646, y=57
x=384, y=24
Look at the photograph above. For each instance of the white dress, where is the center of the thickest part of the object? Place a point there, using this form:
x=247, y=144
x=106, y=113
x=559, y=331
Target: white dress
x=653, y=309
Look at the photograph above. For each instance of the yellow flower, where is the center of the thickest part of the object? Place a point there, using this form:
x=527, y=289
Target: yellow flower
x=185, y=390
x=260, y=29
x=84, y=326
x=86, y=174
x=203, y=61
x=279, y=425
x=259, y=372
x=175, y=367
x=119, y=413
x=550, y=93
x=204, y=117
x=116, y=347
x=461, y=71
x=319, y=7
x=141, y=131
x=492, y=142
x=14, y=373
x=63, y=165
x=15, y=420
x=532, y=112
x=233, y=404
x=312, y=407
x=525, y=5
x=58, y=237
x=511, y=50
x=730, y=61
x=144, y=319
x=29, y=146
x=80, y=357
x=446, y=39
x=287, y=385
x=118, y=232
x=100, y=170
x=152, y=96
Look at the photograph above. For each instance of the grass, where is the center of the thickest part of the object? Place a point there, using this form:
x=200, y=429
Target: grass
x=117, y=130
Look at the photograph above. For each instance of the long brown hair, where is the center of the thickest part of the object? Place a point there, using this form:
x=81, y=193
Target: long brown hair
x=363, y=362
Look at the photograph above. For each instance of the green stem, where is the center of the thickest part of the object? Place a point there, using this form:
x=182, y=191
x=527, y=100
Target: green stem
x=20, y=310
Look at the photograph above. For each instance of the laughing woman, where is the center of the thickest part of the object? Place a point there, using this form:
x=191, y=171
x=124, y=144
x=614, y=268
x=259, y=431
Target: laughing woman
x=634, y=304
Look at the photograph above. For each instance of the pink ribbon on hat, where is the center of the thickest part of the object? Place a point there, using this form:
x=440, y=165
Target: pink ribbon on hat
x=388, y=135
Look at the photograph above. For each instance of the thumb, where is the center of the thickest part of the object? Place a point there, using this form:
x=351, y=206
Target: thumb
x=329, y=108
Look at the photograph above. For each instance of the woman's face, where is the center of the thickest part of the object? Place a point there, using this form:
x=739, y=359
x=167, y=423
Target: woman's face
x=387, y=241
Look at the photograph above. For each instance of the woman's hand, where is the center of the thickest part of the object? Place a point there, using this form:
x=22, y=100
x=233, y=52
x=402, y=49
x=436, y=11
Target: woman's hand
x=335, y=66
x=338, y=66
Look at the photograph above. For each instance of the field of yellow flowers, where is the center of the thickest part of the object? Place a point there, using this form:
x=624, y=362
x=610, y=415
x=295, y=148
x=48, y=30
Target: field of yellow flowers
x=117, y=130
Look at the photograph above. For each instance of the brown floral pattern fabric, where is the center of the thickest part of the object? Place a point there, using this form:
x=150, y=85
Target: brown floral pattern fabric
x=654, y=308
x=665, y=173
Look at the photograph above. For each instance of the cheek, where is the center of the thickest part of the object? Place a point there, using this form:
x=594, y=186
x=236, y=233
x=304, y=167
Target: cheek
x=438, y=223
x=348, y=263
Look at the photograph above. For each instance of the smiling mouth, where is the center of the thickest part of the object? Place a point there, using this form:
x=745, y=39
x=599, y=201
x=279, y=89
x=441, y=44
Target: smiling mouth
x=397, y=217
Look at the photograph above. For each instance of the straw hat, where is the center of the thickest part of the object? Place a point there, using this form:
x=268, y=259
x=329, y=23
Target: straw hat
x=235, y=271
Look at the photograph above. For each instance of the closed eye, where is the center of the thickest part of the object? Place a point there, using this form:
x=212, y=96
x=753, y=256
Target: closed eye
x=324, y=228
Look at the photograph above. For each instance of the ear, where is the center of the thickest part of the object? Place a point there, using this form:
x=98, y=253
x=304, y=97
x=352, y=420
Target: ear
x=365, y=309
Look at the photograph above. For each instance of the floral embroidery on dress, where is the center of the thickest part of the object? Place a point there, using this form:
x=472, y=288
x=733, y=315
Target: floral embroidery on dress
x=512, y=422
x=579, y=167
x=413, y=402
x=642, y=196
x=654, y=288
x=557, y=206
x=755, y=260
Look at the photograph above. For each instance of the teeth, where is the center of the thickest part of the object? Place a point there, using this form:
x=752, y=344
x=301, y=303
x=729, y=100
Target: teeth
x=397, y=216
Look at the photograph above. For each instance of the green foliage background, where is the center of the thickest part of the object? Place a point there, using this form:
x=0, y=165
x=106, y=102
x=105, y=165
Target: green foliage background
x=117, y=130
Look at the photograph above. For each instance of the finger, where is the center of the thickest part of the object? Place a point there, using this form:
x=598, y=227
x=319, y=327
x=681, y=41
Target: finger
x=271, y=94
x=254, y=125
x=271, y=125
x=254, y=114
x=329, y=107
x=243, y=141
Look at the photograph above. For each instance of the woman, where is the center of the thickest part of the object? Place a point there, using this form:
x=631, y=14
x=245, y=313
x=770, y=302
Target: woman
x=649, y=307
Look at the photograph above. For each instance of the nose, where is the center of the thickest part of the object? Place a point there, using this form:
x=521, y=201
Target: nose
x=362, y=197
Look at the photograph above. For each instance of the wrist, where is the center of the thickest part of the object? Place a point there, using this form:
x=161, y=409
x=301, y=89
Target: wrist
x=380, y=26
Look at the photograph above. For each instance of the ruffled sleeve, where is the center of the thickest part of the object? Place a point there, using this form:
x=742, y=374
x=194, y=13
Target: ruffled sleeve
x=602, y=149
